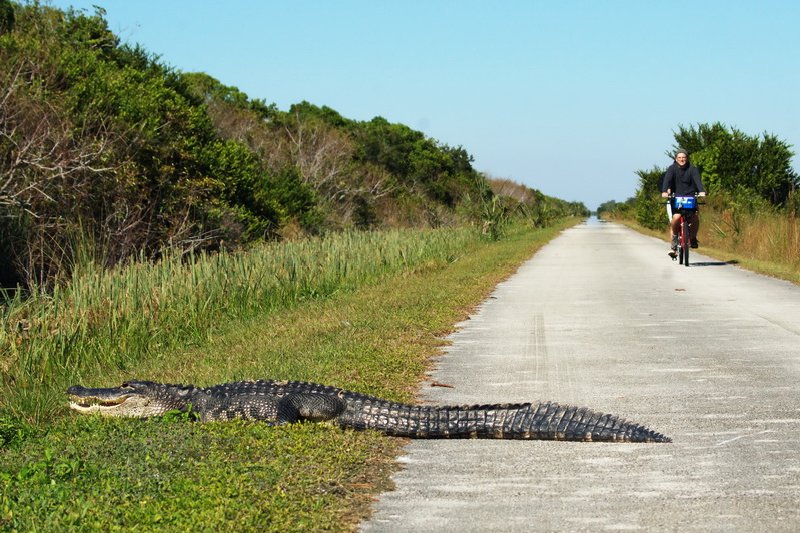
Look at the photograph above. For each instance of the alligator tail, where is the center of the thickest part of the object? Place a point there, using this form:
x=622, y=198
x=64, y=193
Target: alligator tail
x=543, y=421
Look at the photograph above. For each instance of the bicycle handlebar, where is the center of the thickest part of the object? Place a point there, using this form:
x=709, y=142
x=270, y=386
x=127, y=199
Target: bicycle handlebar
x=672, y=196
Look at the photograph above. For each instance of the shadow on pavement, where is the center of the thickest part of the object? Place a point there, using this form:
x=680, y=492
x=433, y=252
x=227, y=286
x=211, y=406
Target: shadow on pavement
x=714, y=263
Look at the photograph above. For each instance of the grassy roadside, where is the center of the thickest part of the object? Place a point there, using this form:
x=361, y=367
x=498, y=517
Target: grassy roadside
x=171, y=475
x=104, y=319
x=769, y=268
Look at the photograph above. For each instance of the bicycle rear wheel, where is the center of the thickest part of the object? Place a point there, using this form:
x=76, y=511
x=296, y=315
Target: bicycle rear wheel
x=685, y=245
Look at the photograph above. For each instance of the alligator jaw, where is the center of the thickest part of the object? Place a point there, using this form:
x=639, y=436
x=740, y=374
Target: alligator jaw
x=119, y=401
x=93, y=400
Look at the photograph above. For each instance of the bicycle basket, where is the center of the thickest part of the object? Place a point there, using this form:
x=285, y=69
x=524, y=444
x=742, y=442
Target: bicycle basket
x=685, y=202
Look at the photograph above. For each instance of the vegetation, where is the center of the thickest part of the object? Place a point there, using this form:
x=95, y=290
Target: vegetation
x=159, y=224
x=104, y=149
x=753, y=199
x=126, y=475
x=130, y=189
x=120, y=318
x=87, y=473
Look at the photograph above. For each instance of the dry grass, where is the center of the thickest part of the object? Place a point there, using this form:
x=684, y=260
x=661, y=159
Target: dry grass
x=768, y=243
x=771, y=237
x=511, y=189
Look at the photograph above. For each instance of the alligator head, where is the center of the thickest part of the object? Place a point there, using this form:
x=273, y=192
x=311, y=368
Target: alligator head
x=135, y=399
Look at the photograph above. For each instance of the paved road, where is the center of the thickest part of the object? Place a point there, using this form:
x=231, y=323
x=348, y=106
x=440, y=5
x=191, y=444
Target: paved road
x=599, y=318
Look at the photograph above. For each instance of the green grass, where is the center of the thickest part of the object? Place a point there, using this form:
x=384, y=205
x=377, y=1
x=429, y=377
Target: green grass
x=118, y=319
x=174, y=475
x=71, y=472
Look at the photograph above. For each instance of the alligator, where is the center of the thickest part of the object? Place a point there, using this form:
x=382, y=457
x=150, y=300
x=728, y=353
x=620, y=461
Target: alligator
x=286, y=402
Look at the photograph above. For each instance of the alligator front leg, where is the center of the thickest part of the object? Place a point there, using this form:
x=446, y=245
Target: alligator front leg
x=274, y=410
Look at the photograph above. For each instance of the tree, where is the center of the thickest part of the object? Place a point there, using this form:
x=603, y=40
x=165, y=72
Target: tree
x=649, y=204
x=100, y=143
x=732, y=161
x=7, y=16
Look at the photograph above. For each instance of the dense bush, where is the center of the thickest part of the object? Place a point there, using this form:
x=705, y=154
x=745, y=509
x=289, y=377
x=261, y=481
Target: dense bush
x=735, y=162
x=103, y=148
x=648, y=204
x=106, y=152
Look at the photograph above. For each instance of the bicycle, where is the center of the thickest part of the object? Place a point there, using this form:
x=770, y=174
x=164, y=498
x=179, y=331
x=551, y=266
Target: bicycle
x=683, y=205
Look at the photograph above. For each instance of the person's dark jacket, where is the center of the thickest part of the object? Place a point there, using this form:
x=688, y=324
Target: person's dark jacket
x=682, y=180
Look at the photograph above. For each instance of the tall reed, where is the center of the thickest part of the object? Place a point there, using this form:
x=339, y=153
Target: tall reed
x=105, y=319
x=770, y=236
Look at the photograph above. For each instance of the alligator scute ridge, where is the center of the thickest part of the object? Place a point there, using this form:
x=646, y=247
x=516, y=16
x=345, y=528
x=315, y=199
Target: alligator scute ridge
x=283, y=402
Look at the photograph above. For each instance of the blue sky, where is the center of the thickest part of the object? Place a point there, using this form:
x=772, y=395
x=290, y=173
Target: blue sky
x=570, y=97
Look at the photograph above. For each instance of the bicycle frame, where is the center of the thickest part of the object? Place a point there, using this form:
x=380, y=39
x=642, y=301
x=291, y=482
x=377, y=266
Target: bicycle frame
x=684, y=240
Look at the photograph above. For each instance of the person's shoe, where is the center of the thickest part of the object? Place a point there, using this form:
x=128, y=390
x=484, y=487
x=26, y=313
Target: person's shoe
x=694, y=243
x=673, y=252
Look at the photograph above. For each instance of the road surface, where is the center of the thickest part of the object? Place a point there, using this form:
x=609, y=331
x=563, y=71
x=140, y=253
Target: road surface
x=708, y=355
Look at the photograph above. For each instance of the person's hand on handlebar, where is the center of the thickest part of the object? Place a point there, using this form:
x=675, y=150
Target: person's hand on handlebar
x=667, y=194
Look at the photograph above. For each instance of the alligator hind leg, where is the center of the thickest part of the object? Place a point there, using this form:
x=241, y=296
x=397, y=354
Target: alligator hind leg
x=312, y=407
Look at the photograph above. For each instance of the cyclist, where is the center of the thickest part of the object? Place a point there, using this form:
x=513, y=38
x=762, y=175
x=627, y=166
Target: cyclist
x=683, y=179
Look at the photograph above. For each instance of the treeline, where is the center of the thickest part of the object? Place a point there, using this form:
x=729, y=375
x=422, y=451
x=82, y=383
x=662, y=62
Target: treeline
x=108, y=153
x=743, y=174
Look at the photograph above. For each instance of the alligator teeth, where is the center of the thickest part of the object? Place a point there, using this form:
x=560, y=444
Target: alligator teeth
x=81, y=402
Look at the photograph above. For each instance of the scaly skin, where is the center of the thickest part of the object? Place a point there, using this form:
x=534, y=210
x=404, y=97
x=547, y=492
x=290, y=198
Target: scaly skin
x=282, y=402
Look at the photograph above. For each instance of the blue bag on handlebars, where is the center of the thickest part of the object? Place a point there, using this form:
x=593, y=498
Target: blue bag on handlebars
x=685, y=202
